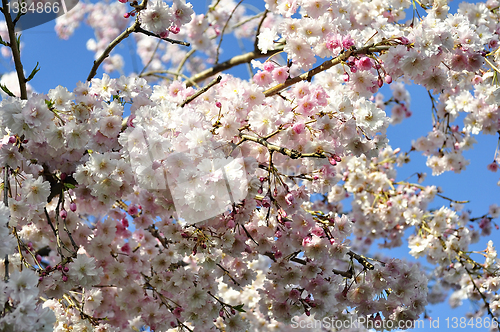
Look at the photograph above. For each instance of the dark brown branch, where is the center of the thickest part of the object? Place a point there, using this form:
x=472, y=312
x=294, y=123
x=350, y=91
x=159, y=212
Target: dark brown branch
x=110, y=47
x=361, y=260
x=224, y=29
x=54, y=231
x=201, y=91
x=324, y=66
x=157, y=235
x=294, y=154
x=173, y=41
x=14, y=46
x=226, y=272
x=6, y=203
x=237, y=60
x=136, y=27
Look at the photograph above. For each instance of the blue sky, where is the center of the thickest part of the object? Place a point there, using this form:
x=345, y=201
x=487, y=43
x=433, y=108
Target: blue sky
x=65, y=62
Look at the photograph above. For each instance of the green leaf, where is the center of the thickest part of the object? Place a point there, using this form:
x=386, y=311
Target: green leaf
x=18, y=42
x=239, y=308
x=3, y=42
x=6, y=90
x=49, y=103
x=69, y=185
x=33, y=72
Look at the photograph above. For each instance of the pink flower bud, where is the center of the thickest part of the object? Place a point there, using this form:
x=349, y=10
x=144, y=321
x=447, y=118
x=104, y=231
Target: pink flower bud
x=298, y=128
x=221, y=313
x=126, y=15
x=174, y=29
x=388, y=79
x=380, y=82
x=268, y=66
x=63, y=214
x=12, y=139
x=72, y=206
x=404, y=40
x=364, y=63
x=63, y=176
x=123, y=1
x=218, y=104
x=132, y=210
x=493, y=166
x=125, y=248
x=347, y=41
x=65, y=278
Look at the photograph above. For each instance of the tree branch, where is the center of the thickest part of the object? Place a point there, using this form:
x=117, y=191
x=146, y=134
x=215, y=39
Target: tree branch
x=14, y=46
x=324, y=66
x=110, y=47
x=237, y=60
x=202, y=91
x=294, y=154
x=136, y=27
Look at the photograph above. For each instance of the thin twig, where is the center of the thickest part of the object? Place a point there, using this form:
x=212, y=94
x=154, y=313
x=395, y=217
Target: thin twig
x=6, y=203
x=235, y=61
x=54, y=231
x=224, y=29
x=136, y=27
x=14, y=46
x=75, y=246
x=201, y=91
x=110, y=47
x=258, y=30
x=237, y=25
x=150, y=59
x=294, y=154
x=226, y=272
x=156, y=72
x=186, y=57
x=324, y=66
x=483, y=297
x=172, y=41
